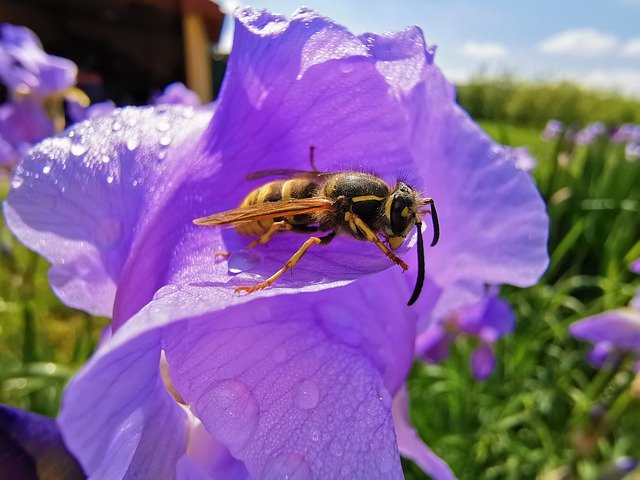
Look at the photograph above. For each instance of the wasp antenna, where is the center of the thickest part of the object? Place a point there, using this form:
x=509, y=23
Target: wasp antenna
x=420, y=280
x=436, y=224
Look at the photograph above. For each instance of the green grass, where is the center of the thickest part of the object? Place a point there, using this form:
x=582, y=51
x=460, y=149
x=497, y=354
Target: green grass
x=530, y=417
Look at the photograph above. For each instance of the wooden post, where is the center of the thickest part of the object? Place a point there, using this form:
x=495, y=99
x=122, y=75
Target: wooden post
x=197, y=54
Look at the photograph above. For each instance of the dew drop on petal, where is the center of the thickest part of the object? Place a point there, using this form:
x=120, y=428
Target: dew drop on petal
x=315, y=435
x=46, y=169
x=243, y=260
x=307, y=395
x=105, y=159
x=116, y=126
x=291, y=466
x=235, y=413
x=163, y=126
x=133, y=143
x=78, y=149
x=16, y=182
x=110, y=179
x=385, y=397
x=165, y=140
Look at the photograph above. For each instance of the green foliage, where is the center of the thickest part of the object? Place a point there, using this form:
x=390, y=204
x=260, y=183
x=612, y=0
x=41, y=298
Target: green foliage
x=515, y=102
x=531, y=418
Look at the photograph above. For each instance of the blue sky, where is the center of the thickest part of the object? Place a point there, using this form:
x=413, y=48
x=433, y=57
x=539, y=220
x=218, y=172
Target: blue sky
x=595, y=42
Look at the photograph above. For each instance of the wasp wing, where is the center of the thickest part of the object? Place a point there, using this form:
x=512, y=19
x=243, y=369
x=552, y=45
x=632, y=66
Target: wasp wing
x=286, y=173
x=261, y=211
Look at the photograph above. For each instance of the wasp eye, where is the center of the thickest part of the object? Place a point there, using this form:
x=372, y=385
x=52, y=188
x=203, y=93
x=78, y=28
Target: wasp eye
x=401, y=216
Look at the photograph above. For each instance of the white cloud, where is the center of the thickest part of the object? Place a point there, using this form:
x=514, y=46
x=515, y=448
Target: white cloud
x=583, y=42
x=631, y=48
x=623, y=80
x=484, y=51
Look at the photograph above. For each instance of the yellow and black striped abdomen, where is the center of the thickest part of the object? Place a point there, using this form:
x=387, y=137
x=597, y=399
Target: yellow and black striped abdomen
x=274, y=192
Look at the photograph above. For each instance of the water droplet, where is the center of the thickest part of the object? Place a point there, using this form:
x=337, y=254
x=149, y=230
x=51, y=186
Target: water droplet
x=16, y=182
x=243, y=260
x=279, y=355
x=133, y=143
x=385, y=397
x=109, y=231
x=165, y=141
x=346, y=66
x=162, y=155
x=105, y=159
x=46, y=169
x=116, y=126
x=134, y=183
x=78, y=149
x=307, y=395
x=315, y=435
x=163, y=126
x=292, y=466
x=236, y=413
x=110, y=179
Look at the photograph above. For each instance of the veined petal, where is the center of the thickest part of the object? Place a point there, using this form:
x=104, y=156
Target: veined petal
x=116, y=410
x=80, y=199
x=299, y=385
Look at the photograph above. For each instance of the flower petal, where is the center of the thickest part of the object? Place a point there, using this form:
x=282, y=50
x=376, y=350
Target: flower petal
x=620, y=327
x=483, y=361
x=116, y=409
x=31, y=447
x=81, y=199
x=493, y=221
x=323, y=370
x=411, y=445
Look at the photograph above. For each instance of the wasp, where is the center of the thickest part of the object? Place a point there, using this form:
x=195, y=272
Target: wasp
x=353, y=203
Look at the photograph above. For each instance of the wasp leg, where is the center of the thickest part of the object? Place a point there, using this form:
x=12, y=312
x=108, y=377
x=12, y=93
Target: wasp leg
x=290, y=263
x=370, y=235
x=273, y=229
x=312, y=150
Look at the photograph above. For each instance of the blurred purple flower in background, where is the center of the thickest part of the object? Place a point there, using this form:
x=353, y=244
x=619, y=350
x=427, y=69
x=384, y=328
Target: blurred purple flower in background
x=626, y=133
x=295, y=381
x=613, y=333
x=31, y=76
x=177, y=94
x=31, y=447
x=552, y=130
x=486, y=320
x=590, y=133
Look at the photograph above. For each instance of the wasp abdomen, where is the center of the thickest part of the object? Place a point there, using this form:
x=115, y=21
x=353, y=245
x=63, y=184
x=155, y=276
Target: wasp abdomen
x=273, y=192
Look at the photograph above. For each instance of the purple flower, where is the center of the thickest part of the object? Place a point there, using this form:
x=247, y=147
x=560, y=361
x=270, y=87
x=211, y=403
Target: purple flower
x=31, y=447
x=626, y=133
x=22, y=123
x=178, y=94
x=285, y=385
x=26, y=69
x=77, y=112
x=632, y=150
x=613, y=332
x=591, y=132
x=486, y=319
x=552, y=130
